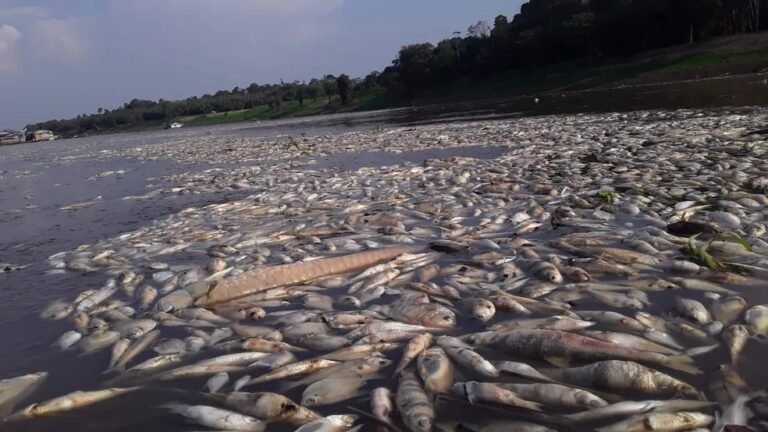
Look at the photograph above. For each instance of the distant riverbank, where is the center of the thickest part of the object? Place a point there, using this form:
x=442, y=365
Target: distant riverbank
x=735, y=56
x=723, y=57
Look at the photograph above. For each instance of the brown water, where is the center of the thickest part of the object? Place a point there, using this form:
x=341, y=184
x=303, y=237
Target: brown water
x=36, y=179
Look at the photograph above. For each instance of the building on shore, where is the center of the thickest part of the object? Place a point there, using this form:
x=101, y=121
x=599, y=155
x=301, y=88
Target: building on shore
x=42, y=135
x=9, y=136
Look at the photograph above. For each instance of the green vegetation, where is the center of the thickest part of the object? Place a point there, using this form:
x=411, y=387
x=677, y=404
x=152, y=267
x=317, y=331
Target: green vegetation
x=705, y=60
x=550, y=45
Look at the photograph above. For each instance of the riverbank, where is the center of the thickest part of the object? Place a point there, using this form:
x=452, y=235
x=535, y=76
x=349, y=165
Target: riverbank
x=722, y=57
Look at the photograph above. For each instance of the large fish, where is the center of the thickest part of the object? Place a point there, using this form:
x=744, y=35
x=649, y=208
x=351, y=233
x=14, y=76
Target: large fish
x=14, y=390
x=561, y=347
x=69, y=402
x=414, y=405
x=265, y=278
x=622, y=377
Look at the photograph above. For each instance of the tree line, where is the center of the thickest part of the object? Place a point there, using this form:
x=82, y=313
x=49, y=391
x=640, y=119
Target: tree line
x=544, y=32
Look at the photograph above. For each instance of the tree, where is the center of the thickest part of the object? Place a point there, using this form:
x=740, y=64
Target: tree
x=414, y=63
x=753, y=6
x=300, y=91
x=479, y=30
x=329, y=86
x=100, y=110
x=344, y=86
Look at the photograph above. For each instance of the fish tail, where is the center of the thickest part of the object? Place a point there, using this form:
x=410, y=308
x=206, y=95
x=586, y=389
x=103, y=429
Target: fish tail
x=290, y=385
x=533, y=406
x=683, y=364
x=174, y=407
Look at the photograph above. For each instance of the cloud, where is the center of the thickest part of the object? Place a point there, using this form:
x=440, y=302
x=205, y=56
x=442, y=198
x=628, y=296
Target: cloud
x=262, y=8
x=24, y=13
x=9, y=37
x=58, y=39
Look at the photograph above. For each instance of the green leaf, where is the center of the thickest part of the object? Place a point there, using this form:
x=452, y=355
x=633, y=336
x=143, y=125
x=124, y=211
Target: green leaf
x=607, y=196
x=734, y=238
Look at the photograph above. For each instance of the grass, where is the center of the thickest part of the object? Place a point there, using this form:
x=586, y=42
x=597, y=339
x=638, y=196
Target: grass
x=705, y=60
x=368, y=101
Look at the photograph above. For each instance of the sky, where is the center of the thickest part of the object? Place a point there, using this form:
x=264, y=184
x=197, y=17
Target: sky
x=61, y=58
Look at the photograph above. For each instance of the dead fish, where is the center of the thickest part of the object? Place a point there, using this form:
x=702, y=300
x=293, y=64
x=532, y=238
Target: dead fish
x=57, y=310
x=15, y=390
x=556, y=395
x=633, y=408
x=424, y=314
x=415, y=407
x=630, y=341
x=332, y=423
x=378, y=327
x=663, y=422
x=242, y=381
x=98, y=340
x=756, y=318
x=562, y=323
x=67, y=340
x=477, y=392
x=216, y=382
x=613, y=318
x=118, y=349
x=217, y=418
x=521, y=369
x=436, y=370
x=268, y=407
x=136, y=348
x=266, y=278
x=147, y=296
x=415, y=346
x=558, y=347
x=332, y=390
x=481, y=309
x=693, y=310
x=360, y=351
x=472, y=361
x=322, y=342
x=71, y=401
x=294, y=369
x=617, y=376
x=257, y=332
x=735, y=338
x=728, y=309
x=381, y=404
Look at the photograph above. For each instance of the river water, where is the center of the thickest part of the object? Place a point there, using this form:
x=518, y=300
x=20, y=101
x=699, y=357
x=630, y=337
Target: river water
x=38, y=179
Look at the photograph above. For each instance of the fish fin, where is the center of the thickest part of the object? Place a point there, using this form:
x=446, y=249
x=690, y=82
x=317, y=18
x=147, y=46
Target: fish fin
x=386, y=423
x=697, y=351
x=289, y=385
x=534, y=406
x=683, y=364
x=174, y=407
x=560, y=362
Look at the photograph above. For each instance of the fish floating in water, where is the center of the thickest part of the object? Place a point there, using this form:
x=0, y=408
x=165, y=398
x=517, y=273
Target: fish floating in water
x=599, y=260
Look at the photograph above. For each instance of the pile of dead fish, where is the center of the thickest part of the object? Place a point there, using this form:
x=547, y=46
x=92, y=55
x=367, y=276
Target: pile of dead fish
x=579, y=282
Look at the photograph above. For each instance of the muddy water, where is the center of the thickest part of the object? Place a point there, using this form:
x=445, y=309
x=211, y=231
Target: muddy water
x=38, y=179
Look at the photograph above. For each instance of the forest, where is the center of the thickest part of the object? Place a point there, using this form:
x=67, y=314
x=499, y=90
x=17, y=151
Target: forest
x=544, y=32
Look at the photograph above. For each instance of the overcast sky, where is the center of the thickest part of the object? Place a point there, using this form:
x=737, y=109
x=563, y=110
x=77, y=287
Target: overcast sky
x=60, y=58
